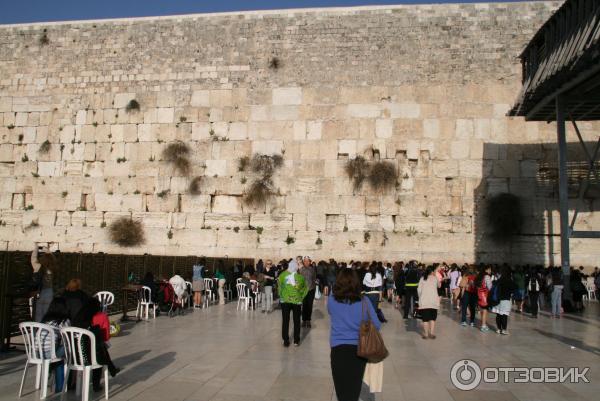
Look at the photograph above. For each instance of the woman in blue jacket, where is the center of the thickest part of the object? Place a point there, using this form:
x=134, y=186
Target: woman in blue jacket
x=346, y=311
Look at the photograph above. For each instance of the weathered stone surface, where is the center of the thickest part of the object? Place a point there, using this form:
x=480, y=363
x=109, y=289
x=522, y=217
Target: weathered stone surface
x=439, y=115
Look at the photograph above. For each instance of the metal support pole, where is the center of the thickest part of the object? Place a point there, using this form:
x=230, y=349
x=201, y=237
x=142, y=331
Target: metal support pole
x=563, y=195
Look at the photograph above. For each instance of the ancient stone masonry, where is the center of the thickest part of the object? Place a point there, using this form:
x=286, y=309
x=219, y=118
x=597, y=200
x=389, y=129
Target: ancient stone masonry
x=87, y=110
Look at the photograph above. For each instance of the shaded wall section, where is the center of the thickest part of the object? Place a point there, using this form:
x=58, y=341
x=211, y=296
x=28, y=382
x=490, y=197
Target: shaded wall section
x=530, y=171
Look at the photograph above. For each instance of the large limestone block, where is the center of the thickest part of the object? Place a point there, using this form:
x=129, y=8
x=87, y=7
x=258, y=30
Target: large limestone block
x=314, y=130
x=296, y=203
x=413, y=225
x=356, y=222
x=273, y=239
x=267, y=147
x=347, y=147
x=122, y=99
x=363, y=111
x=49, y=202
x=200, y=98
x=383, y=128
x=335, y=222
x=167, y=203
x=227, y=204
x=404, y=110
x=352, y=204
x=272, y=222
x=215, y=220
x=316, y=221
x=287, y=96
x=165, y=115
x=245, y=239
x=216, y=168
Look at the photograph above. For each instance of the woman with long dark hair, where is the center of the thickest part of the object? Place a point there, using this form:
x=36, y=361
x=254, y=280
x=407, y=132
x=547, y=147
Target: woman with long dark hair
x=44, y=269
x=345, y=309
x=373, y=286
x=57, y=317
x=506, y=287
x=429, y=301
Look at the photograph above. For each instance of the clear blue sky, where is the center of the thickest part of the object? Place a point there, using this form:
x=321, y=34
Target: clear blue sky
x=12, y=11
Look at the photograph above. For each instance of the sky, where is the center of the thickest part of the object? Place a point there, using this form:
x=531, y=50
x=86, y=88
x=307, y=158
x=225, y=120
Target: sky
x=12, y=12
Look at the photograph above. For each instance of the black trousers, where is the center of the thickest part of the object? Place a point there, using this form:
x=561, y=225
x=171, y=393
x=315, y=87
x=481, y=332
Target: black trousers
x=347, y=370
x=285, y=326
x=533, y=302
x=307, y=306
x=501, y=322
x=410, y=296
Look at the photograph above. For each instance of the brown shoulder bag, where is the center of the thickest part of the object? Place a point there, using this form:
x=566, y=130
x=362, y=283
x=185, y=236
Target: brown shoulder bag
x=370, y=342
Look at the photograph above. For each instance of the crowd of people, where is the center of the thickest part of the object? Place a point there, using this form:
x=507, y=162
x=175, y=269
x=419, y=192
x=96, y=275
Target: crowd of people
x=355, y=292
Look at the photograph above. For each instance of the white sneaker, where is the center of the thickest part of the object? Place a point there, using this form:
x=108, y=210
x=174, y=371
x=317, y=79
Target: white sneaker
x=505, y=332
x=499, y=331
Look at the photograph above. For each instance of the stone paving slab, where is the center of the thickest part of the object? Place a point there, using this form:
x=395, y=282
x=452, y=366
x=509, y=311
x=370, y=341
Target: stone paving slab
x=221, y=354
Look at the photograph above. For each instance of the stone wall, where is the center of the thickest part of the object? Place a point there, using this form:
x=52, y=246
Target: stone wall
x=425, y=87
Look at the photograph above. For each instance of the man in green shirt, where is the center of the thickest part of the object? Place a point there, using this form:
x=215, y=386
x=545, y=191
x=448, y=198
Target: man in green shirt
x=292, y=290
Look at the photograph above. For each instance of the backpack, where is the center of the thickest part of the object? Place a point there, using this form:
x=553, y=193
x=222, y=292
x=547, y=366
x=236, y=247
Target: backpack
x=493, y=298
x=482, y=294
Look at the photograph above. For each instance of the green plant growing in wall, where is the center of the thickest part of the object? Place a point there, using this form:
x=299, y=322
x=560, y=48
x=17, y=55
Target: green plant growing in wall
x=64, y=194
x=103, y=224
x=319, y=241
x=25, y=158
x=352, y=243
x=259, y=230
x=196, y=186
x=10, y=126
x=45, y=147
x=382, y=175
x=163, y=193
x=259, y=192
x=35, y=175
x=132, y=106
x=274, y=63
x=357, y=170
x=236, y=229
x=177, y=154
x=170, y=234
x=44, y=40
x=385, y=239
x=243, y=163
x=367, y=237
x=410, y=231
x=290, y=240
x=262, y=187
x=126, y=232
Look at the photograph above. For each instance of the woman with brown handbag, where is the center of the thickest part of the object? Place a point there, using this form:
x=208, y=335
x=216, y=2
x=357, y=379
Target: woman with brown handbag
x=346, y=312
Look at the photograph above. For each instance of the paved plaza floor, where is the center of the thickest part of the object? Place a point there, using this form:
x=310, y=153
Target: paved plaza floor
x=221, y=354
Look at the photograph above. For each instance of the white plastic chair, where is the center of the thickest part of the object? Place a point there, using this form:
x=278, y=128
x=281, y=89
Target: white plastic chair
x=208, y=289
x=106, y=299
x=34, y=337
x=145, y=303
x=244, y=298
x=238, y=280
x=190, y=298
x=227, y=292
x=74, y=351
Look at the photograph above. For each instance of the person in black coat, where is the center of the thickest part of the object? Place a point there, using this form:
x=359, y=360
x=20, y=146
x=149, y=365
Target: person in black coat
x=75, y=297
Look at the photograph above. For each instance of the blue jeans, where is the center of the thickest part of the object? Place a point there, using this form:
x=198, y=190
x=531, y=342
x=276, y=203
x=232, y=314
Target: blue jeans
x=59, y=371
x=556, y=299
